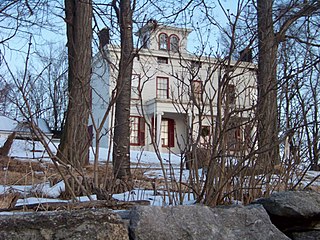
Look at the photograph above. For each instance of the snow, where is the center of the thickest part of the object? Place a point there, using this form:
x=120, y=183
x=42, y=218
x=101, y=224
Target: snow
x=160, y=198
x=47, y=190
x=28, y=150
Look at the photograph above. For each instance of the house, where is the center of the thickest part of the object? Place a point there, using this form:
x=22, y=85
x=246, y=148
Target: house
x=6, y=126
x=22, y=128
x=176, y=96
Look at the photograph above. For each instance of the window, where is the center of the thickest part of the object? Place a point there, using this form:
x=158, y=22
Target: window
x=195, y=65
x=163, y=41
x=231, y=94
x=163, y=60
x=145, y=41
x=135, y=86
x=234, y=134
x=167, y=132
x=137, y=131
x=174, y=43
x=162, y=87
x=197, y=89
x=205, y=133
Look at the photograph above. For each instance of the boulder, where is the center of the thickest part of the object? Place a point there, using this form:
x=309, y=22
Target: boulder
x=201, y=222
x=84, y=224
x=296, y=213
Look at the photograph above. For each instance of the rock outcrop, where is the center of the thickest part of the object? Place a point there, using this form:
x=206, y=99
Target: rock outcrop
x=201, y=222
x=296, y=213
x=99, y=224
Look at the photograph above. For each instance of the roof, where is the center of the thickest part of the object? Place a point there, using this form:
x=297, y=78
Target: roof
x=25, y=126
x=7, y=124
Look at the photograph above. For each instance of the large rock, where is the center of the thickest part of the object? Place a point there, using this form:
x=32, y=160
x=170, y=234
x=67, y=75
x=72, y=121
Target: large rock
x=296, y=213
x=200, y=222
x=84, y=224
x=295, y=204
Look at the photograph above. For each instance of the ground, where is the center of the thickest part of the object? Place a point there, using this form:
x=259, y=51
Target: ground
x=30, y=172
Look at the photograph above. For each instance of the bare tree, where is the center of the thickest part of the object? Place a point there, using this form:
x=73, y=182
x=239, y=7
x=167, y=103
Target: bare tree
x=75, y=142
x=121, y=139
x=268, y=42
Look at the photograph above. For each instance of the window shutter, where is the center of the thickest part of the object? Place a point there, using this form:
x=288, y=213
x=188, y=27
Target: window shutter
x=141, y=131
x=171, y=133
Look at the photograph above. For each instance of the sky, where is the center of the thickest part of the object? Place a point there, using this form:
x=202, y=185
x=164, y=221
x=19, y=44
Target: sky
x=53, y=33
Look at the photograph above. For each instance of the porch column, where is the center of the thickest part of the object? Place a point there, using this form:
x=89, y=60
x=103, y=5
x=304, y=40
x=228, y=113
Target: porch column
x=190, y=127
x=158, y=130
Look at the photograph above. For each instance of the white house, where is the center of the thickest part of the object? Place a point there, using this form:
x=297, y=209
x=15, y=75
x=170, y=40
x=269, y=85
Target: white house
x=175, y=95
x=22, y=128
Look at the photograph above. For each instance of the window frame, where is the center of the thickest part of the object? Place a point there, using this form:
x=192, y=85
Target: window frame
x=230, y=95
x=140, y=131
x=158, y=78
x=197, y=89
x=137, y=88
x=169, y=132
x=162, y=60
x=163, y=45
x=235, y=134
x=171, y=48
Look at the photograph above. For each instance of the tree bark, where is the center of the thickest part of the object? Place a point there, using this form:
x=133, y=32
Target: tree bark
x=267, y=109
x=268, y=42
x=75, y=142
x=121, y=140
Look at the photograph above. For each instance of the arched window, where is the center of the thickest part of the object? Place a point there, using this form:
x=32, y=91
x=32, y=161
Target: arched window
x=174, y=43
x=163, y=41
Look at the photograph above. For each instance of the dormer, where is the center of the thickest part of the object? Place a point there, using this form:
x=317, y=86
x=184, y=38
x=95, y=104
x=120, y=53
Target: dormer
x=163, y=38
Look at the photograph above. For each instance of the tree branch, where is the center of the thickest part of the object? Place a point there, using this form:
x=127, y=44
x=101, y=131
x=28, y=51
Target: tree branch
x=306, y=10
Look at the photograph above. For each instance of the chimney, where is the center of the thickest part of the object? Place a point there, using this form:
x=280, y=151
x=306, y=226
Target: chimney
x=104, y=37
x=246, y=55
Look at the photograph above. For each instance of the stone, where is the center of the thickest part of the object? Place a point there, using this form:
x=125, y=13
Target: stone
x=83, y=224
x=296, y=204
x=309, y=235
x=296, y=213
x=200, y=222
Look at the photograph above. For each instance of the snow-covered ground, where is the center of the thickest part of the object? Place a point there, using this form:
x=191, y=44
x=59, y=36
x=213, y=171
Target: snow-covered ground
x=34, y=151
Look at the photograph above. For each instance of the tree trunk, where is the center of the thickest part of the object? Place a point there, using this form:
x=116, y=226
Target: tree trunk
x=267, y=110
x=75, y=141
x=121, y=140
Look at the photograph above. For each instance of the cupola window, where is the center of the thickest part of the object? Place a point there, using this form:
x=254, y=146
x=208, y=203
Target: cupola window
x=163, y=41
x=174, y=43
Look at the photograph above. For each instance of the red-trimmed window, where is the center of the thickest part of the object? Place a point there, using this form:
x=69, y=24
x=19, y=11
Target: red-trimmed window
x=234, y=135
x=197, y=89
x=137, y=131
x=231, y=94
x=205, y=134
x=135, y=86
x=163, y=41
x=163, y=87
x=167, y=132
x=174, y=43
x=163, y=60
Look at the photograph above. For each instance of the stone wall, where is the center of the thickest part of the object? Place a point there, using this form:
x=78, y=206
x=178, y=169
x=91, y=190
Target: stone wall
x=294, y=215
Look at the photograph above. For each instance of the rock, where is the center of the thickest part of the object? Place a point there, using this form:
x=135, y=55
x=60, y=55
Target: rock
x=296, y=204
x=309, y=235
x=200, y=222
x=84, y=224
x=296, y=213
